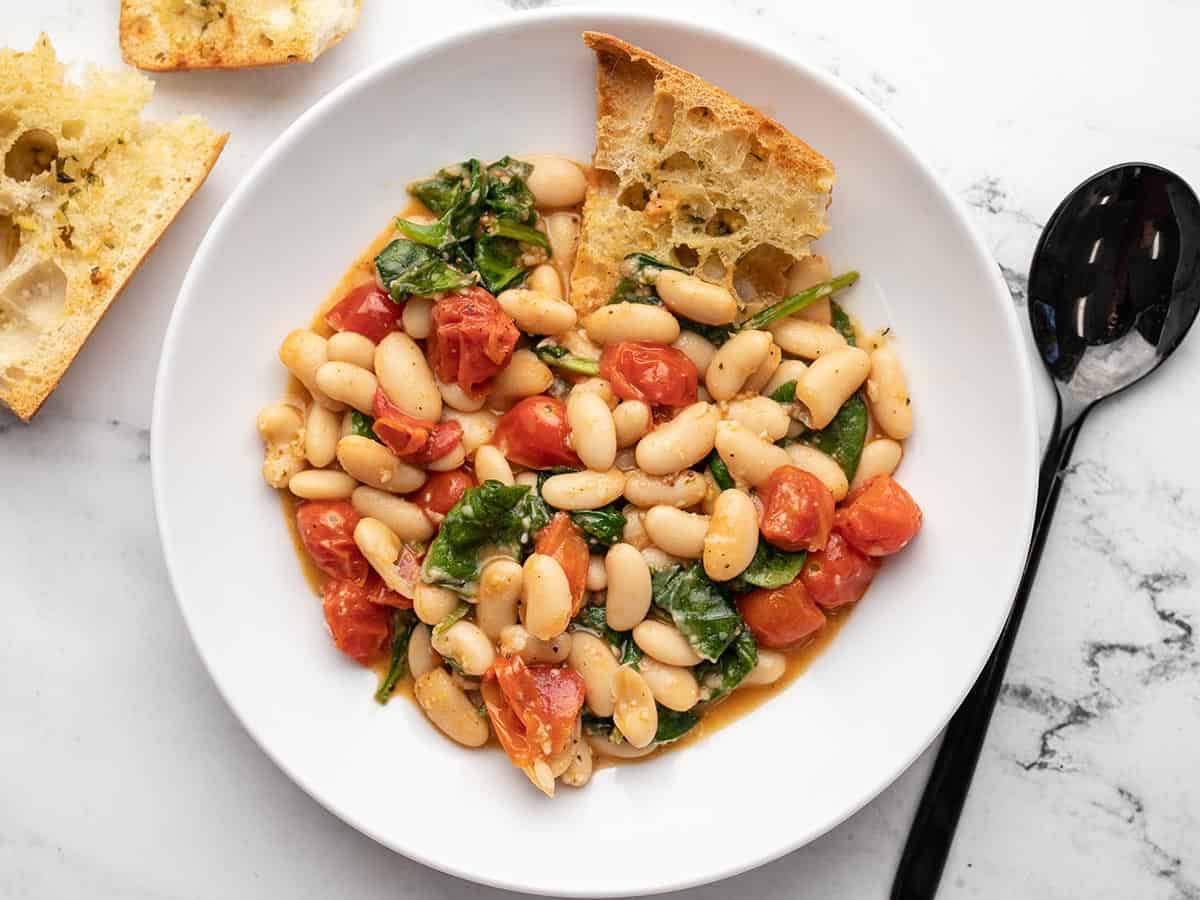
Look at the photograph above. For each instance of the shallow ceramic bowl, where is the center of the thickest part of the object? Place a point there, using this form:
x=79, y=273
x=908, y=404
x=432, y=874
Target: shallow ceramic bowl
x=774, y=780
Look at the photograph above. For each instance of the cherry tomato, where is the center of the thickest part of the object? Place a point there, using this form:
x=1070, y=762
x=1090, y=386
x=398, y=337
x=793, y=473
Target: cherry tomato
x=563, y=541
x=414, y=440
x=534, y=434
x=839, y=574
x=797, y=510
x=532, y=707
x=653, y=373
x=443, y=489
x=359, y=627
x=879, y=518
x=472, y=339
x=366, y=310
x=781, y=617
x=327, y=531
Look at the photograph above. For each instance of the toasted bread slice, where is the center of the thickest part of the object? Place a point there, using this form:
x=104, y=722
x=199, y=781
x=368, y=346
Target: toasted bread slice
x=86, y=191
x=164, y=35
x=693, y=176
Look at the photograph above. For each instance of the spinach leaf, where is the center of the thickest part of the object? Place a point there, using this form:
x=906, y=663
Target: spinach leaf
x=714, y=334
x=785, y=393
x=673, y=725
x=526, y=234
x=841, y=321
x=403, y=623
x=797, y=302
x=497, y=260
x=508, y=193
x=720, y=471
x=597, y=726
x=557, y=357
x=363, y=425
x=443, y=626
x=436, y=234
x=701, y=610
x=601, y=527
x=594, y=619
x=438, y=193
x=408, y=268
x=770, y=568
x=844, y=437
x=720, y=677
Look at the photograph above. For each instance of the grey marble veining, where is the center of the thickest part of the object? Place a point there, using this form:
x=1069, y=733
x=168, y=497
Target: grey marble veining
x=123, y=775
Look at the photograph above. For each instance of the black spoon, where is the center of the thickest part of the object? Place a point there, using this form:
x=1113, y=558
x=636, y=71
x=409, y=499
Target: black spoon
x=1113, y=288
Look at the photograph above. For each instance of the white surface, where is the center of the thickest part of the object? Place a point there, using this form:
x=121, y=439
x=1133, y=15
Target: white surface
x=868, y=706
x=123, y=774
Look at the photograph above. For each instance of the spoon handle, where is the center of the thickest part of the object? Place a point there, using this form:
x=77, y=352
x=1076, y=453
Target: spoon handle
x=932, y=831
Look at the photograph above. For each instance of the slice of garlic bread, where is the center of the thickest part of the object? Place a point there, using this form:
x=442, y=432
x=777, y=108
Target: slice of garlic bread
x=693, y=176
x=87, y=189
x=165, y=35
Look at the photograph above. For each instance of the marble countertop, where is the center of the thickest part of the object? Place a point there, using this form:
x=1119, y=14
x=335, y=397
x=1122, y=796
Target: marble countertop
x=123, y=774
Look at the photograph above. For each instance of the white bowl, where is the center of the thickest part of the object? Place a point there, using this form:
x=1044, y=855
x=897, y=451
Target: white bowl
x=774, y=780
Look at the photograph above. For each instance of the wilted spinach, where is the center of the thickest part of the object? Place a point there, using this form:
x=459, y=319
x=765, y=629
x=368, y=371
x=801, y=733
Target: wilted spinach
x=558, y=357
x=406, y=268
x=363, y=425
x=720, y=471
x=595, y=620
x=720, y=677
x=700, y=609
x=403, y=622
x=844, y=437
x=841, y=321
x=770, y=568
x=673, y=725
x=601, y=527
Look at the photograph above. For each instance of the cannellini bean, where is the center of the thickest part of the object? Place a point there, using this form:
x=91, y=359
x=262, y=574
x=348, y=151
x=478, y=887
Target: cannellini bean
x=406, y=378
x=535, y=312
x=660, y=559
x=524, y=376
x=555, y=181
x=597, y=577
x=789, y=370
x=684, y=489
x=452, y=460
x=732, y=536
x=467, y=645
x=454, y=398
x=624, y=750
x=625, y=460
x=675, y=531
x=579, y=772
x=417, y=318
x=632, y=421
x=748, y=457
x=545, y=280
x=806, y=273
x=665, y=643
x=578, y=343
x=421, y=655
x=673, y=686
x=680, y=443
x=347, y=424
x=808, y=340
x=380, y=545
x=432, y=603
x=499, y=591
x=695, y=299
x=593, y=432
x=562, y=230
x=829, y=382
x=593, y=660
x=583, y=490
x=761, y=415
x=527, y=479
x=403, y=517
x=634, y=532
x=490, y=465
x=560, y=761
x=769, y=669
x=887, y=392
x=822, y=465
x=879, y=457
x=376, y=466
x=478, y=427
x=351, y=347
x=634, y=711
x=322, y=484
x=759, y=377
x=449, y=708
x=696, y=348
x=302, y=353
x=737, y=360
x=546, y=595
x=631, y=322
x=349, y=384
x=628, y=587
x=516, y=641
x=281, y=427
x=598, y=386
x=321, y=433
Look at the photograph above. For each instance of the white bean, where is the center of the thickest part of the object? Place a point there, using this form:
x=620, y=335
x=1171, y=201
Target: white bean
x=516, y=641
x=808, y=272
x=879, y=457
x=351, y=347
x=524, y=376
x=759, y=377
x=593, y=432
x=432, y=603
x=454, y=398
x=829, y=382
x=634, y=711
x=555, y=181
x=421, y=656
x=748, y=457
x=770, y=668
x=545, y=280
x=887, y=392
x=546, y=594
x=624, y=750
x=579, y=344
x=660, y=559
x=321, y=433
x=675, y=531
x=632, y=421
x=595, y=663
x=597, y=577
x=303, y=352
x=403, y=517
x=761, y=415
x=665, y=643
x=732, y=536
x=281, y=427
x=467, y=645
x=527, y=479
x=631, y=322
x=562, y=230
x=628, y=587
x=375, y=465
x=626, y=460
x=417, y=318
x=680, y=443
x=737, y=360
x=583, y=490
x=687, y=488
x=822, y=465
x=349, y=384
x=808, y=340
x=406, y=378
x=452, y=460
x=634, y=532
x=579, y=772
x=695, y=299
x=478, y=427
x=490, y=465
x=322, y=484
x=449, y=708
x=789, y=370
x=535, y=312
x=380, y=545
x=673, y=686
x=499, y=591
x=600, y=387
x=699, y=350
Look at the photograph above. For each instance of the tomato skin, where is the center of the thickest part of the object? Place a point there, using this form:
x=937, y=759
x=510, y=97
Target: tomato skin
x=563, y=541
x=651, y=372
x=535, y=433
x=797, y=510
x=414, y=440
x=879, y=518
x=359, y=627
x=443, y=489
x=532, y=708
x=781, y=617
x=327, y=531
x=366, y=310
x=839, y=574
x=472, y=339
